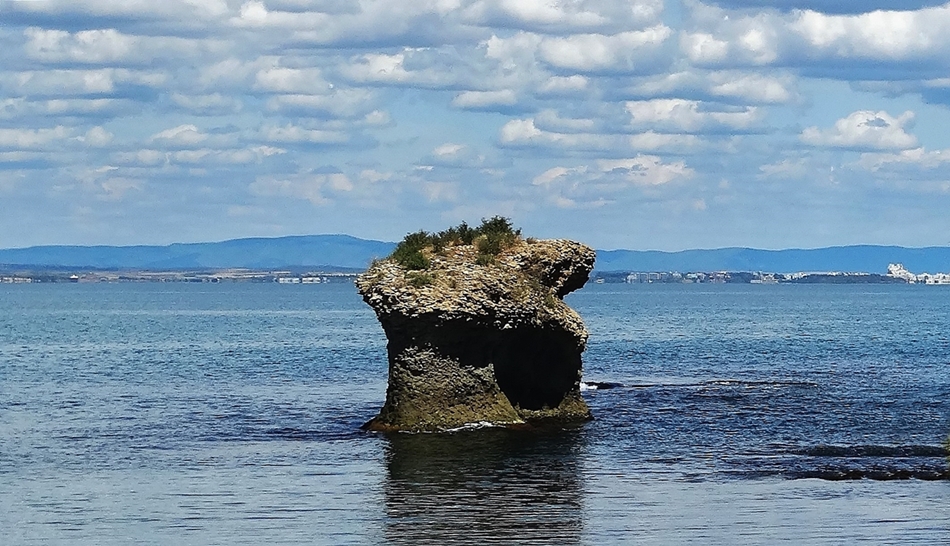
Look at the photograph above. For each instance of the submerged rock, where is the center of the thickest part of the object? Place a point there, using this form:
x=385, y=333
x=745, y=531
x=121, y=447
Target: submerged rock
x=476, y=341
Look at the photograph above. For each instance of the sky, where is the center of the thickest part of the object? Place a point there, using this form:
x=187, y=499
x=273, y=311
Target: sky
x=654, y=124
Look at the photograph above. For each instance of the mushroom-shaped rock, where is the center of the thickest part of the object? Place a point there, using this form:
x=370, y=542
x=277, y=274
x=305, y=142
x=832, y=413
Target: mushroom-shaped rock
x=481, y=339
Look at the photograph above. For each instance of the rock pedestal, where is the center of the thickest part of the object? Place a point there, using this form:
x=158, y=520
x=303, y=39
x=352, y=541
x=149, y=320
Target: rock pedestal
x=474, y=343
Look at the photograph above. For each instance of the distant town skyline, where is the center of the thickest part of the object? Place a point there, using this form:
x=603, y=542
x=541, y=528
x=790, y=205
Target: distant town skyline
x=651, y=125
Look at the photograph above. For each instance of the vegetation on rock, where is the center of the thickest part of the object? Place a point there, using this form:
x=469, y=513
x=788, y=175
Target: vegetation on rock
x=491, y=238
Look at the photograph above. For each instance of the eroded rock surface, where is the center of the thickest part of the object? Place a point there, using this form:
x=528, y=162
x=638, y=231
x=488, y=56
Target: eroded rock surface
x=472, y=343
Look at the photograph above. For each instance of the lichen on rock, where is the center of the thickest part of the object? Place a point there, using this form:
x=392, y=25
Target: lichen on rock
x=480, y=336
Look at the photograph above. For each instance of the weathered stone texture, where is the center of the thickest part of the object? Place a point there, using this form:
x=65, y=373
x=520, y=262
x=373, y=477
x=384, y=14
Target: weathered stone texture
x=473, y=343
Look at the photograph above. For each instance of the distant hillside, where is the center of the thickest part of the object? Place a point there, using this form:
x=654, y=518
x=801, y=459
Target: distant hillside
x=861, y=258
x=339, y=251
x=343, y=251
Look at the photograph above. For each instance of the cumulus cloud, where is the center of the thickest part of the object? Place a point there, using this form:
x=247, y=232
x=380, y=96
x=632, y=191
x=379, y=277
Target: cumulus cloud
x=563, y=17
x=687, y=116
x=754, y=88
x=818, y=39
x=623, y=52
x=524, y=133
x=318, y=189
x=916, y=158
x=864, y=130
x=886, y=35
x=478, y=100
x=32, y=138
x=96, y=137
x=210, y=104
x=651, y=141
x=832, y=6
x=105, y=46
x=341, y=103
x=292, y=80
x=646, y=170
x=183, y=135
x=602, y=181
x=564, y=85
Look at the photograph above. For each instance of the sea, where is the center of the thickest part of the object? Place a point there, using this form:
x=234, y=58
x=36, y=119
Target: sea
x=165, y=413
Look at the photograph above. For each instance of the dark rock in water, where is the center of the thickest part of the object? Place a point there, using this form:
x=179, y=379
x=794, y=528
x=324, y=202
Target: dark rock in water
x=475, y=341
x=599, y=385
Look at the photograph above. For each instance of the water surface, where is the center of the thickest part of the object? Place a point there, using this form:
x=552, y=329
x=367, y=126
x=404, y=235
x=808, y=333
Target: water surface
x=229, y=414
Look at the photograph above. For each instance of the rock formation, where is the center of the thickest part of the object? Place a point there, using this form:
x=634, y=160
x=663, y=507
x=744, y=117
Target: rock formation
x=476, y=340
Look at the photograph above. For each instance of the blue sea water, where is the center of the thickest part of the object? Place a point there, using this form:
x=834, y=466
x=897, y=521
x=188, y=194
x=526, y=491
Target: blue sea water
x=229, y=414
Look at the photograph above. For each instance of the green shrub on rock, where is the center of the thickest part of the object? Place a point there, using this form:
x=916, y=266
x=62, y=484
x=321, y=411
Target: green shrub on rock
x=491, y=238
x=408, y=253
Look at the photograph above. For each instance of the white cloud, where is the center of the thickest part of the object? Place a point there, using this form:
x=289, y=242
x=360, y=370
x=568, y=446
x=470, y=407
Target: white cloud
x=802, y=37
x=878, y=35
x=646, y=170
x=750, y=86
x=755, y=88
x=114, y=188
x=703, y=48
x=448, y=149
x=96, y=137
x=688, y=116
x=151, y=157
x=524, y=132
x=183, y=135
x=518, y=130
x=563, y=16
x=341, y=103
x=917, y=158
x=786, y=168
x=207, y=104
x=550, y=175
x=725, y=38
x=379, y=67
x=655, y=142
x=540, y=12
x=32, y=138
x=484, y=99
x=625, y=52
x=62, y=83
x=105, y=46
x=295, y=134
x=311, y=187
x=564, y=85
x=864, y=129
x=292, y=80
x=551, y=120
x=88, y=46
x=605, y=180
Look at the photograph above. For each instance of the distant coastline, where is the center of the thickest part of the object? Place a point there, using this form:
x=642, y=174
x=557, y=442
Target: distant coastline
x=896, y=275
x=269, y=259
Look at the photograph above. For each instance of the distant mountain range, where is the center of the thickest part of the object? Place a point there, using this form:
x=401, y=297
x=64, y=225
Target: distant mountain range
x=333, y=252
x=342, y=252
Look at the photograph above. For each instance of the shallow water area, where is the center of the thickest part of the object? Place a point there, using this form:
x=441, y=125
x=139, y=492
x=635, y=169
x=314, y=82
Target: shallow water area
x=230, y=414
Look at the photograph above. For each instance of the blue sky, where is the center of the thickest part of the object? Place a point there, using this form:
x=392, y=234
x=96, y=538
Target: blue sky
x=645, y=125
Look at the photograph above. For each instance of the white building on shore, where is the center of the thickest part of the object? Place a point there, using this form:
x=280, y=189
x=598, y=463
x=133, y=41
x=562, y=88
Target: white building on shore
x=898, y=271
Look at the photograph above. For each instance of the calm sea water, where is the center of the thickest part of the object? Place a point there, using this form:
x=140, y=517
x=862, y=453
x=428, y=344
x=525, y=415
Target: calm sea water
x=229, y=414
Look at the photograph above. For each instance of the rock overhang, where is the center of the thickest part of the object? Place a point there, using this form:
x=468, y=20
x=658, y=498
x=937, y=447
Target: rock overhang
x=481, y=342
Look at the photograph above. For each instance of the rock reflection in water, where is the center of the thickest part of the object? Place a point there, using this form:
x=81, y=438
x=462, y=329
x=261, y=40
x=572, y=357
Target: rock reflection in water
x=484, y=486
